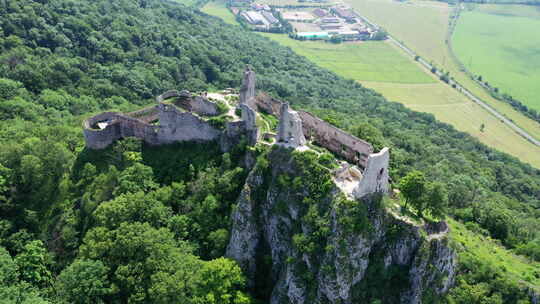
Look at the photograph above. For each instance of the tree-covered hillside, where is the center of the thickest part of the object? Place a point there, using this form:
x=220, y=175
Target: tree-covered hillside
x=128, y=223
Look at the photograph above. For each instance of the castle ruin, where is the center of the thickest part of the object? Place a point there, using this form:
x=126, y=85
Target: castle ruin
x=247, y=90
x=187, y=118
x=290, y=131
x=181, y=116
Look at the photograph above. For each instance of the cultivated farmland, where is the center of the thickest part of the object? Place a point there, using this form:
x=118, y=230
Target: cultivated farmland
x=384, y=68
x=423, y=27
x=389, y=71
x=500, y=43
x=364, y=61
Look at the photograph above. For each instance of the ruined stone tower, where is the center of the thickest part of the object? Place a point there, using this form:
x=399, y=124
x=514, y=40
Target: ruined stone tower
x=247, y=106
x=290, y=131
x=247, y=91
x=375, y=177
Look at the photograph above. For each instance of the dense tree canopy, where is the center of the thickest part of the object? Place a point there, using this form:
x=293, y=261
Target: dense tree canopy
x=135, y=220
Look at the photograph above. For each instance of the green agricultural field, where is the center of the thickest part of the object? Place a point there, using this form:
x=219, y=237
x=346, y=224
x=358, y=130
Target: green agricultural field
x=217, y=8
x=423, y=26
x=502, y=44
x=384, y=68
x=453, y=108
x=367, y=61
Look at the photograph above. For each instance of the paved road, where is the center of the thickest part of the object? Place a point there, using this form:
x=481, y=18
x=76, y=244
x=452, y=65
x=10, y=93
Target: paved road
x=462, y=89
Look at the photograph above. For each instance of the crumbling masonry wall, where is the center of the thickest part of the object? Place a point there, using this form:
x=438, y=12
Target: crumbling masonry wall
x=175, y=125
x=147, y=115
x=290, y=131
x=183, y=126
x=247, y=90
x=203, y=106
x=375, y=177
x=350, y=147
x=118, y=126
x=249, y=117
x=336, y=140
x=268, y=104
x=188, y=102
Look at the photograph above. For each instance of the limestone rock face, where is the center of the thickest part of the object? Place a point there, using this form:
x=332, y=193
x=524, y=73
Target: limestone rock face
x=331, y=250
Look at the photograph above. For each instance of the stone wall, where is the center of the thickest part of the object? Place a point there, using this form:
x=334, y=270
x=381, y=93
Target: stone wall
x=290, y=131
x=118, y=126
x=336, y=140
x=234, y=131
x=203, y=106
x=175, y=125
x=195, y=104
x=96, y=138
x=375, y=177
x=268, y=104
x=170, y=94
x=147, y=115
x=249, y=117
x=183, y=126
x=326, y=135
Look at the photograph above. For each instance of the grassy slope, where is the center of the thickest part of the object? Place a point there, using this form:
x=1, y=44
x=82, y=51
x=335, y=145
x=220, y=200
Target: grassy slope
x=517, y=268
x=423, y=26
x=363, y=63
x=217, y=8
x=370, y=61
x=499, y=44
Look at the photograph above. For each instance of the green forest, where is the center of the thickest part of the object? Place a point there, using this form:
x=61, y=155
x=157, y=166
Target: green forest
x=140, y=224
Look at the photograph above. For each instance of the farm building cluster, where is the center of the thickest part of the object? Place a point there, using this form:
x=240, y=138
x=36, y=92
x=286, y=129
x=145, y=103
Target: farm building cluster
x=260, y=16
x=322, y=21
x=326, y=23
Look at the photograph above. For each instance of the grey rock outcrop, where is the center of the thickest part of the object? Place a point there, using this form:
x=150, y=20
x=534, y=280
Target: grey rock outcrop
x=342, y=261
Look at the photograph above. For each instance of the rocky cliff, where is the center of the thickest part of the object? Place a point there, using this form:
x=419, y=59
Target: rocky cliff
x=300, y=240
